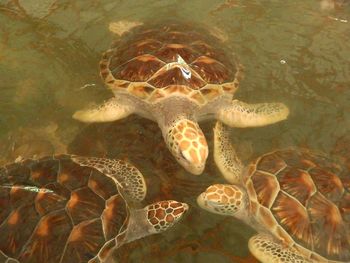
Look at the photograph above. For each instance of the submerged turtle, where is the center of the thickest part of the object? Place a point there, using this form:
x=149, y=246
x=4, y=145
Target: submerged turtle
x=75, y=209
x=297, y=200
x=194, y=239
x=176, y=75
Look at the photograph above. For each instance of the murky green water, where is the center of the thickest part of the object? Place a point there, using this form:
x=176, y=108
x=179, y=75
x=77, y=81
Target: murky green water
x=296, y=52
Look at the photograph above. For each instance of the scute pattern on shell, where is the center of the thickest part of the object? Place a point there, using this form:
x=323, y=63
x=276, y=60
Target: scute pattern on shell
x=308, y=195
x=144, y=63
x=55, y=210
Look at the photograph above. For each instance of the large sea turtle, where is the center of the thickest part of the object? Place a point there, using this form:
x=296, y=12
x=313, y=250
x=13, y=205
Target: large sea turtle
x=196, y=238
x=75, y=209
x=297, y=200
x=177, y=74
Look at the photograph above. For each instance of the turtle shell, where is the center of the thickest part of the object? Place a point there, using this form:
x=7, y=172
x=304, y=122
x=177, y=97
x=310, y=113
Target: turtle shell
x=155, y=60
x=55, y=210
x=303, y=198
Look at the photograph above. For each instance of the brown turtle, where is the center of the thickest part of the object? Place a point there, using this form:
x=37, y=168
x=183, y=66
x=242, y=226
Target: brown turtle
x=177, y=74
x=196, y=239
x=75, y=209
x=297, y=200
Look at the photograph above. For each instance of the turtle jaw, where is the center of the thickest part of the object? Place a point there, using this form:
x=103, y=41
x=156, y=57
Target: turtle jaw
x=188, y=145
x=202, y=201
x=189, y=167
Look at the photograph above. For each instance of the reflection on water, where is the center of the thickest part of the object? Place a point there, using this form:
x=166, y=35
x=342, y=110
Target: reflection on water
x=295, y=52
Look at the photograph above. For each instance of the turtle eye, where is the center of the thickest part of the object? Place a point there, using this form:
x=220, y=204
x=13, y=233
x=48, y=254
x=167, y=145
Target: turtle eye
x=186, y=156
x=183, y=156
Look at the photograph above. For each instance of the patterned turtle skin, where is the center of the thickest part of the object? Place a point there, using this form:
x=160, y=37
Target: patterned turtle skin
x=177, y=74
x=298, y=200
x=75, y=209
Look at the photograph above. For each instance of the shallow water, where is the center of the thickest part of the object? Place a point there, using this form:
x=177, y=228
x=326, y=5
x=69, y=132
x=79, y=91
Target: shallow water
x=296, y=52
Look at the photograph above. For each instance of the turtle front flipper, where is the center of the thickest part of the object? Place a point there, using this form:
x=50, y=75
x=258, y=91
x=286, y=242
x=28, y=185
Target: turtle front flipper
x=240, y=114
x=267, y=250
x=110, y=110
x=225, y=155
x=129, y=179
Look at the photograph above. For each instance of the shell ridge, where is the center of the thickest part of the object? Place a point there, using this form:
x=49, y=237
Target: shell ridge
x=136, y=57
x=266, y=187
x=66, y=243
x=124, y=227
x=93, y=189
x=104, y=227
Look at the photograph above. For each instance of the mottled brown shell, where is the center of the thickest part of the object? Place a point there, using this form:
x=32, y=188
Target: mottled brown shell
x=303, y=197
x=144, y=63
x=67, y=214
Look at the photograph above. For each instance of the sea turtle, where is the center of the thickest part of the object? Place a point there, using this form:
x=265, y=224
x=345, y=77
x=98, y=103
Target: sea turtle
x=68, y=208
x=166, y=180
x=296, y=199
x=177, y=74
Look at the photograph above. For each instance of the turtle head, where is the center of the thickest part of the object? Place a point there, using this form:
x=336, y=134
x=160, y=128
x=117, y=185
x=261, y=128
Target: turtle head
x=151, y=219
x=224, y=199
x=187, y=143
x=164, y=214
